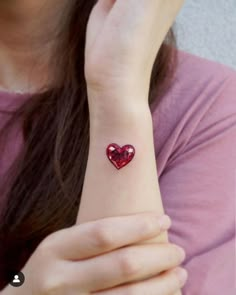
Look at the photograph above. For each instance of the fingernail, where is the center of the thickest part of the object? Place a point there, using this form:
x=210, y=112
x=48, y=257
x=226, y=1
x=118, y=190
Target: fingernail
x=182, y=275
x=164, y=222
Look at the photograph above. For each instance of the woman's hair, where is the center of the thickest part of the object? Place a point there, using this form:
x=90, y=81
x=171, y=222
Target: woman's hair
x=44, y=183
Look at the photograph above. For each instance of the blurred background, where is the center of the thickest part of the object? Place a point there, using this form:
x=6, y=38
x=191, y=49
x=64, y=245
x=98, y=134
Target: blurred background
x=208, y=28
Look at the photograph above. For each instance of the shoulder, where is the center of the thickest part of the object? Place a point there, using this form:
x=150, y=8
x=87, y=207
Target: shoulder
x=202, y=94
x=198, y=81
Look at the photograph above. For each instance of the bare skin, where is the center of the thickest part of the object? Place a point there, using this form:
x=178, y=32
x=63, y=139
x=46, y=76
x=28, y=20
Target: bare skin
x=27, y=56
x=27, y=34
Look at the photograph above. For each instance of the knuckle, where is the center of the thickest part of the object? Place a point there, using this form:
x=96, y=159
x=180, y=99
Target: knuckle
x=103, y=236
x=128, y=264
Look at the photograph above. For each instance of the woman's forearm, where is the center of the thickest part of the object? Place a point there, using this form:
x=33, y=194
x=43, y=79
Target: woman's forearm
x=133, y=188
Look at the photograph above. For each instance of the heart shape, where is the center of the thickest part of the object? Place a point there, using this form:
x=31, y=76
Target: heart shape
x=120, y=156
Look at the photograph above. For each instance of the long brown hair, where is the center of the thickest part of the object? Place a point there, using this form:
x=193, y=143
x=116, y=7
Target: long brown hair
x=45, y=181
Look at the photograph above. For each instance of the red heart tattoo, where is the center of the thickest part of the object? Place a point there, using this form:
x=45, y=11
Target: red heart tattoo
x=120, y=156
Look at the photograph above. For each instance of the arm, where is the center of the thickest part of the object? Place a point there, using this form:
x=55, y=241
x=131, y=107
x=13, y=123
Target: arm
x=134, y=188
x=122, y=42
x=118, y=67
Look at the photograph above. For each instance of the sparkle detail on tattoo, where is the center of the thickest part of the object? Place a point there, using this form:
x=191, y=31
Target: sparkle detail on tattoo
x=120, y=156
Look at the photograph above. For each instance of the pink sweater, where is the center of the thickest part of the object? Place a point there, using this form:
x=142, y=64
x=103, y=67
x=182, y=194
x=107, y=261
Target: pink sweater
x=195, y=144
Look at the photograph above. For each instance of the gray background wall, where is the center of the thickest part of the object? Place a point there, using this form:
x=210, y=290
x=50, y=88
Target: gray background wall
x=208, y=28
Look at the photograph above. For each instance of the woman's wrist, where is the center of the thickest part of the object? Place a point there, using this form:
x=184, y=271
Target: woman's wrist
x=118, y=112
x=128, y=125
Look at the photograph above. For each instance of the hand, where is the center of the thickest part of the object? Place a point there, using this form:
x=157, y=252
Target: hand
x=122, y=41
x=96, y=257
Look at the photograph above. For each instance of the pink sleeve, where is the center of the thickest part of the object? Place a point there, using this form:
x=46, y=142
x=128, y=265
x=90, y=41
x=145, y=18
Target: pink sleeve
x=197, y=176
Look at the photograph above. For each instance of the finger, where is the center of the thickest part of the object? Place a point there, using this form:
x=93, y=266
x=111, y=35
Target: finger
x=126, y=264
x=163, y=284
x=97, y=237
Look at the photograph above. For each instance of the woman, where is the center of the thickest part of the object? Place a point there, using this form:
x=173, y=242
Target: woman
x=78, y=185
